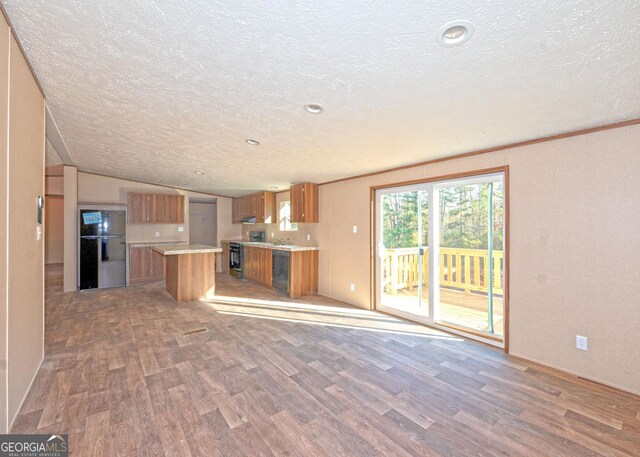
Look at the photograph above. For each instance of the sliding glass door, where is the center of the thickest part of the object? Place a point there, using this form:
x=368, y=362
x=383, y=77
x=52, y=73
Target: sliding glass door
x=403, y=251
x=440, y=256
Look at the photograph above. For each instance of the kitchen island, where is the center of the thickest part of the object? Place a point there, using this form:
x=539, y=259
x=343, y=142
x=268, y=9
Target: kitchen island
x=190, y=270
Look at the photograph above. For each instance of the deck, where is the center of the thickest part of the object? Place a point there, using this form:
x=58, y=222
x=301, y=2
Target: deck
x=463, y=280
x=456, y=307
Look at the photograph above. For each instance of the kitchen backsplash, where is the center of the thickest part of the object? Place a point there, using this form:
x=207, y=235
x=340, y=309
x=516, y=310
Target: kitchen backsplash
x=272, y=231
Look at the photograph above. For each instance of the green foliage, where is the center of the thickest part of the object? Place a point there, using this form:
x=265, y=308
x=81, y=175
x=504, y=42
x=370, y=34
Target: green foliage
x=463, y=217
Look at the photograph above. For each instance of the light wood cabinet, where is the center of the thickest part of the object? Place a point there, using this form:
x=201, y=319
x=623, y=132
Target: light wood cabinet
x=145, y=264
x=257, y=264
x=155, y=208
x=175, y=209
x=262, y=205
x=137, y=208
x=304, y=202
x=303, y=273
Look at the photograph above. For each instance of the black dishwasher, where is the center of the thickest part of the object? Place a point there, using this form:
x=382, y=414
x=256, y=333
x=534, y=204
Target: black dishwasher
x=280, y=271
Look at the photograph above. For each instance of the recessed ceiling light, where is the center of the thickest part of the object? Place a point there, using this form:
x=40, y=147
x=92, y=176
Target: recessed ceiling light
x=198, y=172
x=252, y=142
x=454, y=33
x=313, y=108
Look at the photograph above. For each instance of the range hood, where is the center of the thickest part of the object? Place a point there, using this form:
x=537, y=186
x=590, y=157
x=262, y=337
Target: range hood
x=248, y=220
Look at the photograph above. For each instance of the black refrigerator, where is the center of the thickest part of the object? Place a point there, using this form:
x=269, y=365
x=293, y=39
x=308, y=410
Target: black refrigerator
x=103, y=249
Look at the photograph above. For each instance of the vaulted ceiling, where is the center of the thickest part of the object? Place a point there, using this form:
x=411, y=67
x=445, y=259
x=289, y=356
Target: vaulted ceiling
x=156, y=90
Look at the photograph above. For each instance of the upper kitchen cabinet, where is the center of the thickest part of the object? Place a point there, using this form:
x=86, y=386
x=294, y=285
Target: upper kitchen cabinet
x=304, y=202
x=261, y=205
x=137, y=208
x=155, y=208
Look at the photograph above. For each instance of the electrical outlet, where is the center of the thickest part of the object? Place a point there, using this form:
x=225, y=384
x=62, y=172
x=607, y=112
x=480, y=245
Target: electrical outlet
x=180, y=229
x=581, y=343
x=353, y=287
x=355, y=229
x=308, y=237
x=157, y=234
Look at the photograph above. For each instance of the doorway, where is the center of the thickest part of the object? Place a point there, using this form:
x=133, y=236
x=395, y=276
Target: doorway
x=203, y=222
x=440, y=253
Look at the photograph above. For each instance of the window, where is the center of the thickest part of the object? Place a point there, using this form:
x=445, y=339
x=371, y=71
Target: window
x=285, y=218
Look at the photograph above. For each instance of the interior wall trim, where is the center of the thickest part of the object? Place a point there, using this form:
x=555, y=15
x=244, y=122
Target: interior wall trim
x=151, y=183
x=56, y=139
x=519, y=144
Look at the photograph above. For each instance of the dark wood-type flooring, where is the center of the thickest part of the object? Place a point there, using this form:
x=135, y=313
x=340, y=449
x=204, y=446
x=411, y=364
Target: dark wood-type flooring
x=131, y=372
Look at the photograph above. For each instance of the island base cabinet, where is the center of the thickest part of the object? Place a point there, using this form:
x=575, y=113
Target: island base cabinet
x=145, y=265
x=191, y=276
x=303, y=273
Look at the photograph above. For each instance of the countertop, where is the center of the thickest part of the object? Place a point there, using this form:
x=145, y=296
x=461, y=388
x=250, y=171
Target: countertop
x=174, y=249
x=275, y=247
x=155, y=243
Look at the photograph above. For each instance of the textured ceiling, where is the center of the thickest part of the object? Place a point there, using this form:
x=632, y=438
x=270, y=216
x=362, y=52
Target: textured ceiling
x=154, y=89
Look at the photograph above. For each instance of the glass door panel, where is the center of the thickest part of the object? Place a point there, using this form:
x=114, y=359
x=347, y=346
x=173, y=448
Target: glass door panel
x=403, y=259
x=471, y=264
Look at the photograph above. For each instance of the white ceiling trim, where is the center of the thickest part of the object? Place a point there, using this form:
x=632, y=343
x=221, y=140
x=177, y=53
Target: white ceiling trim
x=56, y=140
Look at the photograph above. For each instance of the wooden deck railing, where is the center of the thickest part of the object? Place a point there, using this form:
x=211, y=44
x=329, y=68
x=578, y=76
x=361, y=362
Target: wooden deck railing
x=464, y=269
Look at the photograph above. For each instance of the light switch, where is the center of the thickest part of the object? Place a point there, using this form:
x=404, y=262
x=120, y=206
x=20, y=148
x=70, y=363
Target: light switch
x=38, y=232
x=308, y=237
x=180, y=229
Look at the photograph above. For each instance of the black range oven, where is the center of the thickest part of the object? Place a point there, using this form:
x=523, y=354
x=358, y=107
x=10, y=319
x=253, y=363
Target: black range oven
x=236, y=260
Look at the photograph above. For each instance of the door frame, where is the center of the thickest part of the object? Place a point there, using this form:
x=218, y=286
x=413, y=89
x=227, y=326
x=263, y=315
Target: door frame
x=373, y=265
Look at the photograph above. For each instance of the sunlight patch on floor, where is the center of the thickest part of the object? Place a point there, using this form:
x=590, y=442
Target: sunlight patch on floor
x=333, y=316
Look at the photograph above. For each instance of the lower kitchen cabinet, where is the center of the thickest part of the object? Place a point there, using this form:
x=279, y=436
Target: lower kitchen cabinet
x=145, y=264
x=303, y=273
x=257, y=264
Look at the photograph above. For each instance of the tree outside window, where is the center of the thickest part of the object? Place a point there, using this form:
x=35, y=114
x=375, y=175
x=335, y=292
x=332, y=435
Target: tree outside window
x=285, y=218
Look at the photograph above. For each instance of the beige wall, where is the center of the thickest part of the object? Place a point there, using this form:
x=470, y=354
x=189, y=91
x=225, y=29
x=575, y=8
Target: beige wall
x=25, y=321
x=54, y=230
x=54, y=185
x=574, y=248
x=70, y=275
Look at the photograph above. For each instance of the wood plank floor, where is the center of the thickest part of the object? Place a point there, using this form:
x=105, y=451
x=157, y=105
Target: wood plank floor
x=131, y=372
